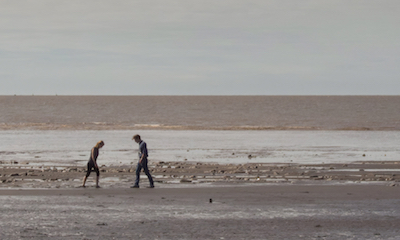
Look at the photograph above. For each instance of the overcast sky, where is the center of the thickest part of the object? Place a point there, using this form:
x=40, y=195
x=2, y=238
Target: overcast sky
x=187, y=47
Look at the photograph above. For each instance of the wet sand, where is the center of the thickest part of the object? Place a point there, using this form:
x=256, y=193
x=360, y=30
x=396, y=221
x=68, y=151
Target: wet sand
x=18, y=175
x=203, y=201
x=236, y=212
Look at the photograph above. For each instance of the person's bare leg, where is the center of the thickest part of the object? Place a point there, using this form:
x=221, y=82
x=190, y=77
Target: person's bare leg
x=97, y=182
x=84, y=181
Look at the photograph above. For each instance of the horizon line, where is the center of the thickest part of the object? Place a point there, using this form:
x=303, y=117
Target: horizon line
x=195, y=95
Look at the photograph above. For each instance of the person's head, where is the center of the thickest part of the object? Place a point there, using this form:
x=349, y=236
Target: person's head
x=136, y=138
x=99, y=144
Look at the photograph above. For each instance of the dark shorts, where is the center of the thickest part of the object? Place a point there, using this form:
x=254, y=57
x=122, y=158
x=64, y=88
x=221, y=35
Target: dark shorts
x=90, y=166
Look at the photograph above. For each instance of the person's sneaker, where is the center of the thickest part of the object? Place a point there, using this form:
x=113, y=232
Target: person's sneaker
x=150, y=187
x=135, y=186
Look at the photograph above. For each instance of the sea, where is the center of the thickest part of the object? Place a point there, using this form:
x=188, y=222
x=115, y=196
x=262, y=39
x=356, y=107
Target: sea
x=61, y=130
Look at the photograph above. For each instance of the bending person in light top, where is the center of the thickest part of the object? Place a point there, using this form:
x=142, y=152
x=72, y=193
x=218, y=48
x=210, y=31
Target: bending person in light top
x=92, y=163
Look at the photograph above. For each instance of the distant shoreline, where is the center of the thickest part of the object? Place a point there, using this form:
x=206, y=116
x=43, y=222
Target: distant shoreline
x=107, y=126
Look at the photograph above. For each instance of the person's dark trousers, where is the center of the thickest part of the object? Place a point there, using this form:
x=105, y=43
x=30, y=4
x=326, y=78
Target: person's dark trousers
x=146, y=171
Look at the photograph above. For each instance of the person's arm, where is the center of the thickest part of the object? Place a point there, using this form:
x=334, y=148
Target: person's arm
x=143, y=150
x=94, y=159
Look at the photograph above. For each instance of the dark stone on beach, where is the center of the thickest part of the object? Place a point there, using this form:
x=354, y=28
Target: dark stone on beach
x=10, y=180
x=316, y=177
x=184, y=180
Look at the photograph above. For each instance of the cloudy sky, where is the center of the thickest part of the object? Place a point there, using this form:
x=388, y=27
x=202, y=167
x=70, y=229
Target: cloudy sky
x=207, y=47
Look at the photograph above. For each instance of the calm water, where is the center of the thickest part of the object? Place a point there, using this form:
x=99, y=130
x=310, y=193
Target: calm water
x=72, y=147
x=201, y=112
x=61, y=130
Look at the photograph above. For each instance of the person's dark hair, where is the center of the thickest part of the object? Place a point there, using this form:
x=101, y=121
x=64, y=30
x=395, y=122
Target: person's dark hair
x=137, y=136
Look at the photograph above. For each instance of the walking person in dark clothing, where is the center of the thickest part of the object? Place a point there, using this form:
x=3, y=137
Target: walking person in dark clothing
x=92, y=164
x=143, y=154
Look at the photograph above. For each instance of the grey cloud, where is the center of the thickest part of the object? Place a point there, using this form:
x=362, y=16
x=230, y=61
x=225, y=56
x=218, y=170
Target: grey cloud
x=184, y=47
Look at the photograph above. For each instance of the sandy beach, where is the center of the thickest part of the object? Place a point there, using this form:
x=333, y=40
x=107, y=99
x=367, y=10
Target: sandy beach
x=236, y=212
x=274, y=185
x=204, y=201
